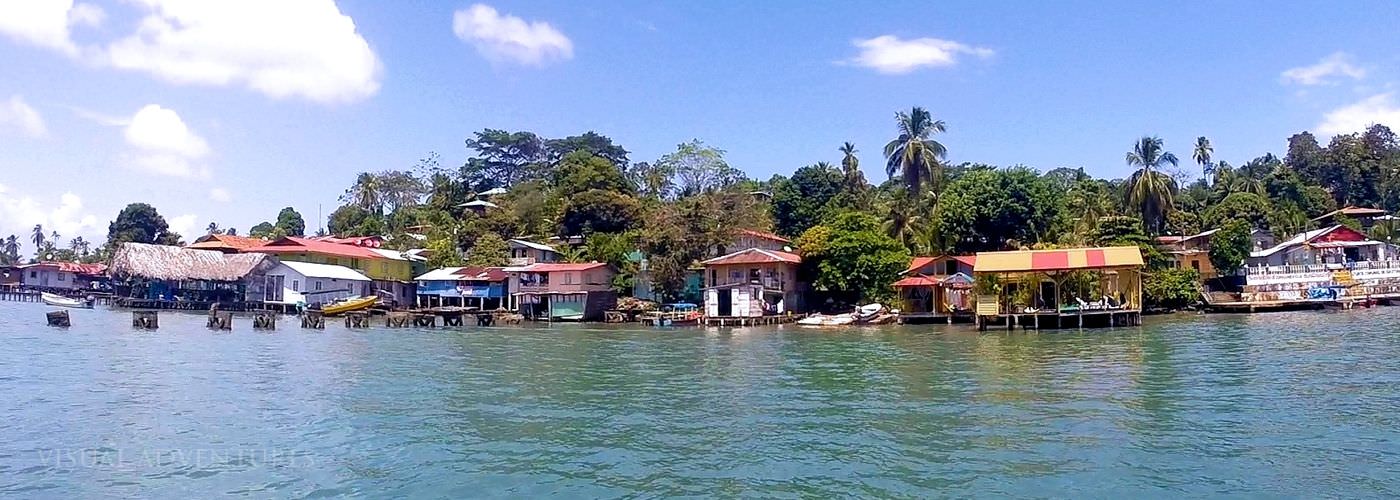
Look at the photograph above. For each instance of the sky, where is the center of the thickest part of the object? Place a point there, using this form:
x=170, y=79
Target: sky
x=228, y=111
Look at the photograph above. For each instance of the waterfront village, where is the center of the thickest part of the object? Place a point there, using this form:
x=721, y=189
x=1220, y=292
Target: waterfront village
x=571, y=229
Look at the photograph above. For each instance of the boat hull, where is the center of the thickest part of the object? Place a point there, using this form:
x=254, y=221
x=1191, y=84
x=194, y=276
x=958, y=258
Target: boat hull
x=349, y=305
x=60, y=301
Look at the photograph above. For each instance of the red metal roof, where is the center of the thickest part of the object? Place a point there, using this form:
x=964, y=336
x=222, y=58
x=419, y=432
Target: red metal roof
x=226, y=241
x=72, y=267
x=292, y=244
x=755, y=256
x=920, y=262
x=918, y=281
x=550, y=267
x=765, y=235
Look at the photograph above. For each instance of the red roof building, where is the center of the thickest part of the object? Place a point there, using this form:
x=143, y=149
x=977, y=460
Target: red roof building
x=935, y=288
x=226, y=243
x=752, y=283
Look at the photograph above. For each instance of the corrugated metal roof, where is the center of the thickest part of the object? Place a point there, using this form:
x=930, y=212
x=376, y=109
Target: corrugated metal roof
x=1058, y=260
x=292, y=244
x=754, y=256
x=549, y=267
x=312, y=270
x=531, y=244
x=765, y=235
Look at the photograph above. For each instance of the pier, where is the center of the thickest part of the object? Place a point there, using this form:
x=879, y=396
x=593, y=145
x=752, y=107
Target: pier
x=749, y=321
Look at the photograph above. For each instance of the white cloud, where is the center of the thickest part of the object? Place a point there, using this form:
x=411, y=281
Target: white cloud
x=510, y=39
x=1379, y=108
x=1325, y=72
x=220, y=195
x=890, y=55
x=47, y=23
x=306, y=48
x=162, y=144
x=184, y=225
x=19, y=213
x=303, y=48
x=17, y=115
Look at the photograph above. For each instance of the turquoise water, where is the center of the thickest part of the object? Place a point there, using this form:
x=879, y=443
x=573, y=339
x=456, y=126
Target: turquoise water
x=1280, y=405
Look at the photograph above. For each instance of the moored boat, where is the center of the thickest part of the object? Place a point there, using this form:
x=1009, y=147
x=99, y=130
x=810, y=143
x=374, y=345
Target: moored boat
x=348, y=305
x=61, y=301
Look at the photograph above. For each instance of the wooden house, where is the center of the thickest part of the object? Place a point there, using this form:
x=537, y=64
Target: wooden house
x=164, y=274
x=484, y=288
x=1070, y=287
x=62, y=276
x=936, y=289
x=305, y=283
x=563, y=291
x=391, y=271
x=752, y=283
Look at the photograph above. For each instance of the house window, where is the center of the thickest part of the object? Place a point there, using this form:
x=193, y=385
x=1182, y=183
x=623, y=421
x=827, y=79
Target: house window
x=950, y=267
x=754, y=275
x=355, y=263
x=318, y=286
x=1196, y=264
x=63, y=276
x=384, y=267
x=33, y=274
x=568, y=278
x=296, y=286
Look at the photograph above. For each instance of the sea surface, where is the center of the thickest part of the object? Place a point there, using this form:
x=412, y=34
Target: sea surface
x=1285, y=405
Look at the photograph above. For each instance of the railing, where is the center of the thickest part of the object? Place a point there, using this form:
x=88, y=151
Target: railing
x=768, y=283
x=1313, y=268
x=520, y=261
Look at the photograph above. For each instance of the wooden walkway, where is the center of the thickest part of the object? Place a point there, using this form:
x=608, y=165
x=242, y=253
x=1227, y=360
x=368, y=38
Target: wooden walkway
x=1058, y=320
x=755, y=321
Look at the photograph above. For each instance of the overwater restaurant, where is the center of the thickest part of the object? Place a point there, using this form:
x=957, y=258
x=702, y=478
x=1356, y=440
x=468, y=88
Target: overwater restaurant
x=1063, y=288
x=159, y=276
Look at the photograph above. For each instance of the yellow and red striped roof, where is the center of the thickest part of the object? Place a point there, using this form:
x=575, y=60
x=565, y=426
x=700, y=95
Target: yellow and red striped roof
x=1058, y=260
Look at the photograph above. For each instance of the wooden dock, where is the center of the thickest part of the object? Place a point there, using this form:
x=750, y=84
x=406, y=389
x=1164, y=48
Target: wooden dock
x=754, y=321
x=1047, y=320
x=926, y=318
x=10, y=295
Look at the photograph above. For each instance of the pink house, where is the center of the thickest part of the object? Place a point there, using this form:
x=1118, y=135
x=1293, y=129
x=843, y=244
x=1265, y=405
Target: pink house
x=564, y=291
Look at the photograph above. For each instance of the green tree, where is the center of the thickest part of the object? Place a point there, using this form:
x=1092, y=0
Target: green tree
x=853, y=179
x=37, y=236
x=290, y=222
x=581, y=171
x=801, y=202
x=599, y=211
x=1150, y=188
x=1229, y=247
x=504, y=159
x=591, y=142
x=997, y=209
x=1172, y=288
x=860, y=259
x=442, y=252
x=1247, y=207
x=1202, y=155
x=490, y=250
x=699, y=168
x=140, y=223
x=263, y=230
x=11, y=249
x=351, y=220
x=913, y=154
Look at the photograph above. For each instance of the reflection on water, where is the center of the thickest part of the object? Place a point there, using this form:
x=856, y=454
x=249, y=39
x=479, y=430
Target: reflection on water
x=1270, y=405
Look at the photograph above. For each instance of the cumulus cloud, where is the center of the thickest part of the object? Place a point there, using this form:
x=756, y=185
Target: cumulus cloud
x=184, y=225
x=304, y=48
x=891, y=55
x=1379, y=108
x=220, y=195
x=18, y=116
x=162, y=144
x=20, y=212
x=506, y=38
x=1326, y=72
x=47, y=23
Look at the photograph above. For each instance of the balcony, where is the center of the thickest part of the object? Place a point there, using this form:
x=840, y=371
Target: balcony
x=520, y=261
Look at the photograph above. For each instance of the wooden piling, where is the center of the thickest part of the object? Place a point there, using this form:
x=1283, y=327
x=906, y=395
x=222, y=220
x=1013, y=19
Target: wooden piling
x=145, y=320
x=59, y=319
x=220, y=320
x=313, y=320
x=357, y=319
x=264, y=320
x=397, y=320
x=425, y=320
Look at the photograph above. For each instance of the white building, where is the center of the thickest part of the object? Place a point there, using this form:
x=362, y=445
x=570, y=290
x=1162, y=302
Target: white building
x=308, y=283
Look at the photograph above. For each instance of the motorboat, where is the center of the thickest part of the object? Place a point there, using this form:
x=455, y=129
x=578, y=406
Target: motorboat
x=827, y=320
x=679, y=314
x=348, y=305
x=61, y=301
x=867, y=314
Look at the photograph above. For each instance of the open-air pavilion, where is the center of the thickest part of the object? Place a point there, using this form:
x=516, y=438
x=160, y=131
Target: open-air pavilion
x=1062, y=288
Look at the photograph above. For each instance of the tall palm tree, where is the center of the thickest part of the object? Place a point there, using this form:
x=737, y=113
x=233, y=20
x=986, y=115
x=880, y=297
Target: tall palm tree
x=38, y=236
x=78, y=245
x=1150, y=189
x=366, y=193
x=11, y=249
x=914, y=154
x=53, y=238
x=850, y=167
x=1202, y=156
x=904, y=221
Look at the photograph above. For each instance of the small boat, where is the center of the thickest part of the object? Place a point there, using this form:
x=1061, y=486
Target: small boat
x=348, y=305
x=61, y=301
x=827, y=320
x=868, y=312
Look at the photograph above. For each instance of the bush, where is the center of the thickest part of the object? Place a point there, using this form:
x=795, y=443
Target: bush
x=1171, y=288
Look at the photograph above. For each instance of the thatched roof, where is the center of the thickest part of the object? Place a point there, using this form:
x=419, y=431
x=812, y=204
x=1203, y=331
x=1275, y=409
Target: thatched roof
x=175, y=263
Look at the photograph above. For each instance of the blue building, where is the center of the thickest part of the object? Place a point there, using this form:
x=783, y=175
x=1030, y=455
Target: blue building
x=481, y=287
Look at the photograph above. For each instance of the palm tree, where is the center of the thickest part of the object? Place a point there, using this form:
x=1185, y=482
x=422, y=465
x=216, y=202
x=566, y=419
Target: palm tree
x=11, y=249
x=914, y=154
x=38, y=236
x=79, y=246
x=53, y=238
x=1150, y=189
x=366, y=193
x=904, y=221
x=850, y=167
x=1202, y=156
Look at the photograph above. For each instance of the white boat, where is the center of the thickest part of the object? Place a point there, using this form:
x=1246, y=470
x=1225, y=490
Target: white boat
x=868, y=312
x=61, y=301
x=827, y=320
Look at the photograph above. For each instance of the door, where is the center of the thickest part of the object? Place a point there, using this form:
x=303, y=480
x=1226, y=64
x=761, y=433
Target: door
x=273, y=289
x=723, y=298
x=741, y=303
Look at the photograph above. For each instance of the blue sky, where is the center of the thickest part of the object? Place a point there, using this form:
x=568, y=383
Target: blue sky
x=228, y=113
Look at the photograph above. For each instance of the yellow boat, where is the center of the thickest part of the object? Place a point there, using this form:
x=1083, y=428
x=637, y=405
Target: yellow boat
x=349, y=305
